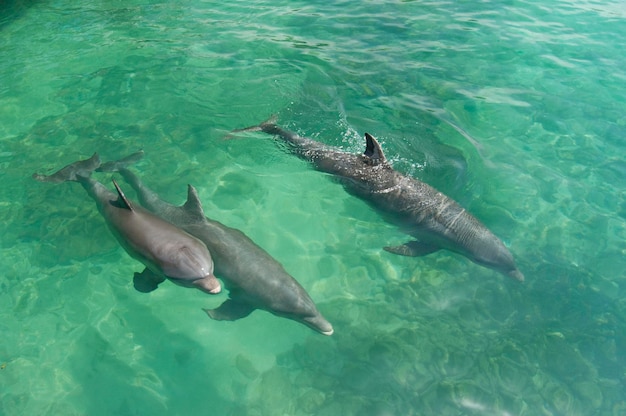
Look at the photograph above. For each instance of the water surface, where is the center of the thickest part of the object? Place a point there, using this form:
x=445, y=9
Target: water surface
x=514, y=109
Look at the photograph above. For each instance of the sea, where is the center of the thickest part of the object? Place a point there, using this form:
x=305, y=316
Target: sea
x=516, y=109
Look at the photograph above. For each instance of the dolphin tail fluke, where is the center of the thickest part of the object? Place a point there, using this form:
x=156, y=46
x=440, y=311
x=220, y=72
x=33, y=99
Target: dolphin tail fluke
x=72, y=172
x=268, y=126
x=117, y=165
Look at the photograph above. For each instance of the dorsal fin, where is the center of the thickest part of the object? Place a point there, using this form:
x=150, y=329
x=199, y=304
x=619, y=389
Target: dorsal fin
x=193, y=206
x=373, y=149
x=122, y=201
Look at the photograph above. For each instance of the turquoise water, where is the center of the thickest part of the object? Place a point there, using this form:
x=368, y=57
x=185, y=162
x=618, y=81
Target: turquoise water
x=514, y=109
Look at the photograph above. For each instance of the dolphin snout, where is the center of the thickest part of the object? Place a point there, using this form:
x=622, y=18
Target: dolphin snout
x=517, y=275
x=319, y=324
x=213, y=285
x=328, y=332
x=216, y=290
x=208, y=284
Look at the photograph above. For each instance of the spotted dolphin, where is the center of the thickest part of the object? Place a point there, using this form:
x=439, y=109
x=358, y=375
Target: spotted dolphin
x=432, y=218
x=165, y=250
x=255, y=280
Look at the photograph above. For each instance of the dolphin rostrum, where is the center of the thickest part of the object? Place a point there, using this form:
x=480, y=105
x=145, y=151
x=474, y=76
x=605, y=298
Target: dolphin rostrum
x=165, y=250
x=255, y=280
x=435, y=220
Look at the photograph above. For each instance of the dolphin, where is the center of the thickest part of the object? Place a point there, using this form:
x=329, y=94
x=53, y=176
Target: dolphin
x=254, y=279
x=432, y=218
x=165, y=250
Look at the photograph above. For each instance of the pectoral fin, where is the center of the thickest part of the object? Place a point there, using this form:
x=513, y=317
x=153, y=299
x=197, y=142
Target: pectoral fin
x=413, y=249
x=231, y=310
x=146, y=281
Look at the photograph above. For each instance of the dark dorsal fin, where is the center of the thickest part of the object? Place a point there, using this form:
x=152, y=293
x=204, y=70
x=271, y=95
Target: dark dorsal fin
x=373, y=149
x=122, y=201
x=193, y=206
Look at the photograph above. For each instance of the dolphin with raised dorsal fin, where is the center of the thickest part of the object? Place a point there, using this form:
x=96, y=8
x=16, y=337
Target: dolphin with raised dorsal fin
x=255, y=280
x=165, y=250
x=434, y=219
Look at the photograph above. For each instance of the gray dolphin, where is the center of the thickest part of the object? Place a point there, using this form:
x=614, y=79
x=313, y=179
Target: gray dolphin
x=255, y=280
x=165, y=250
x=435, y=220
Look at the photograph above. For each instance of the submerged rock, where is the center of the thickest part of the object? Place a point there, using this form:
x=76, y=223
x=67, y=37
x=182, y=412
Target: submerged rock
x=246, y=367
